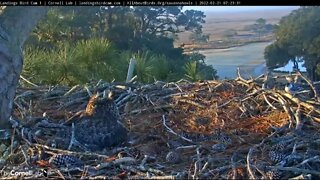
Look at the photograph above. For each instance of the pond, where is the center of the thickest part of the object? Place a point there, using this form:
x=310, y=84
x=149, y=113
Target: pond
x=249, y=58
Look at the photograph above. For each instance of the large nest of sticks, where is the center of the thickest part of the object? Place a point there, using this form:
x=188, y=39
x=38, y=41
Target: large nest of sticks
x=210, y=129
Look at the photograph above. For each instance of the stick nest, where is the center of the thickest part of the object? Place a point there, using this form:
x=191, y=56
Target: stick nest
x=209, y=129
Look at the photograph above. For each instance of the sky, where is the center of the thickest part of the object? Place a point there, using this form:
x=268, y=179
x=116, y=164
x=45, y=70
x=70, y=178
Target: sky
x=237, y=8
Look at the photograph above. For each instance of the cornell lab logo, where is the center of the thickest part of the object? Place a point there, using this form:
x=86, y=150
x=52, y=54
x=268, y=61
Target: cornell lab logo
x=16, y=173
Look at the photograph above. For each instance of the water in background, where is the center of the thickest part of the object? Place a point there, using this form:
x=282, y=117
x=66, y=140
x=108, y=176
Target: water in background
x=248, y=57
x=288, y=67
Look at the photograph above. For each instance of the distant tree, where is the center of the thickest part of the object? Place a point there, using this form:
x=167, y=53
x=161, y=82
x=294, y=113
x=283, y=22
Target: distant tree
x=126, y=27
x=297, y=37
x=160, y=19
x=229, y=33
x=134, y=29
x=260, y=26
x=269, y=27
x=261, y=22
x=198, y=37
x=66, y=24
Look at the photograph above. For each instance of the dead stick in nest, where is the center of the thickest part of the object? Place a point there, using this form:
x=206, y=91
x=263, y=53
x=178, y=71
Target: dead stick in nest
x=27, y=81
x=25, y=155
x=297, y=101
x=184, y=80
x=308, y=160
x=243, y=83
x=251, y=173
x=143, y=162
x=60, y=174
x=162, y=177
x=310, y=84
x=71, y=90
x=124, y=160
x=72, y=139
x=132, y=169
x=287, y=110
x=187, y=147
x=70, y=152
x=78, y=100
x=175, y=84
x=172, y=132
x=150, y=109
x=183, y=94
x=242, y=79
x=268, y=102
x=194, y=176
x=297, y=115
x=124, y=99
x=197, y=164
x=152, y=170
x=294, y=169
x=222, y=168
x=233, y=166
x=226, y=103
x=192, y=103
x=205, y=166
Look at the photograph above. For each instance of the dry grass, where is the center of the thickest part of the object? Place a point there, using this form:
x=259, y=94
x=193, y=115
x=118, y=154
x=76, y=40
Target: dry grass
x=218, y=22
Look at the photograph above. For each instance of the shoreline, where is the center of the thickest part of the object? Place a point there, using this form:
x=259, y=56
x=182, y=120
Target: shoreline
x=249, y=58
x=208, y=47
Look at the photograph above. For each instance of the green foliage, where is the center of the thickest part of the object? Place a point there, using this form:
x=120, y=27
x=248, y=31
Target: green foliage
x=159, y=20
x=298, y=36
x=65, y=24
x=75, y=64
x=42, y=66
x=275, y=56
x=75, y=44
x=196, y=56
x=98, y=60
x=150, y=67
x=125, y=27
x=207, y=71
x=91, y=59
x=191, y=71
x=144, y=68
x=199, y=37
x=260, y=27
x=192, y=20
x=229, y=33
x=195, y=70
x=261, y=22
x=161, y=70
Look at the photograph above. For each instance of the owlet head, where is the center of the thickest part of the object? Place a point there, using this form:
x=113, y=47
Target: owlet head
x=108, y=94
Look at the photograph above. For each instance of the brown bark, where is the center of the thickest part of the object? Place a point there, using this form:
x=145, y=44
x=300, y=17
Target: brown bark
x=15, y=26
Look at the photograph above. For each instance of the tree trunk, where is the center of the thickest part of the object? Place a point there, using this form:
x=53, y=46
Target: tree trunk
x=15, y=26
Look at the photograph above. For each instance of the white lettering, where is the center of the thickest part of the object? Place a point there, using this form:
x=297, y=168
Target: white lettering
x=21, y=174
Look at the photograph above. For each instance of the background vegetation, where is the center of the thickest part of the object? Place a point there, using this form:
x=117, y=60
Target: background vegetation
x=73, y=45
x=297, y=39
